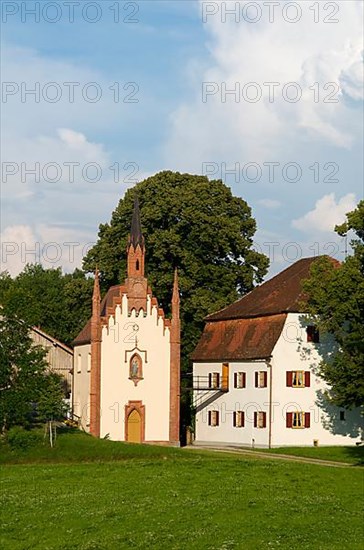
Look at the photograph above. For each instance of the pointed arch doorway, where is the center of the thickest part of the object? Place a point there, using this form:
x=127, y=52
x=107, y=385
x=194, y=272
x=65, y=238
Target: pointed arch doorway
x=134, y=422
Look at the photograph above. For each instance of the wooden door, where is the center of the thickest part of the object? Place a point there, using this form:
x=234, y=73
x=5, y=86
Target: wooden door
x=134, y=427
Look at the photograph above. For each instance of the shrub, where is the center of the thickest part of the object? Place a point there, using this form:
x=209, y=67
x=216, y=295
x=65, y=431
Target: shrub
x=20, y=439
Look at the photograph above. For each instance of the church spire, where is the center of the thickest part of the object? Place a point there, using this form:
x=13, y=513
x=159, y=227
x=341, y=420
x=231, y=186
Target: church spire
x=136, y=248
x=136, y=237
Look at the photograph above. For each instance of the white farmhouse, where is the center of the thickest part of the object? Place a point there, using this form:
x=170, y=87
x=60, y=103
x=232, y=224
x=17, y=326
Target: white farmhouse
x=255, y=373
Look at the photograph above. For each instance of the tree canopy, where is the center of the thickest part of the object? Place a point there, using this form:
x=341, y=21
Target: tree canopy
x=195, y=225
x=25, y=379
x=336, y=295
x=58, y=304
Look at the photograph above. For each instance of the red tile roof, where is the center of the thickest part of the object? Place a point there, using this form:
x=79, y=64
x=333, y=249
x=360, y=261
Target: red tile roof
x=240, y=339
x=250, y=327
x=84, y=337
x=281, y=294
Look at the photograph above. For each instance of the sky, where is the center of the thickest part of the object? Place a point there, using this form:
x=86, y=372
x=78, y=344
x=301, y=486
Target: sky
x=99, y=95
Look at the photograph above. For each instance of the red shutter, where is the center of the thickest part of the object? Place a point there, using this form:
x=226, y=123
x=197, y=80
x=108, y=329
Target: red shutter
x=289, y=420
x=235, y=379
x=264, y=420
x=209, y=418
x=243, y=419
x=218, y=379
x=289, y=378
x=255, y=419
x=257, y=379
x=210, y=380
x=265, y=379
x=244, y=379
x=307, y=379
x=217, y=418
x=307, y=420
x=234, y=419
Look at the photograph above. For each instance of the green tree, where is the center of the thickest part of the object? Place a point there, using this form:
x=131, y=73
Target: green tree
x=58, y=304
x=336, y=296
x=50, y=404
x=195, y=225
x=22, y=372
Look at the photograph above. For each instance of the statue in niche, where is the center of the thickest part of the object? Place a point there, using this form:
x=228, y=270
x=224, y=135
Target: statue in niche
x=135, y=370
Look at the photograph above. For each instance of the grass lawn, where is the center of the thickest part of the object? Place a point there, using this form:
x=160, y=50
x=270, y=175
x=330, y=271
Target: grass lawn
x=131, y=496
x=351, y=455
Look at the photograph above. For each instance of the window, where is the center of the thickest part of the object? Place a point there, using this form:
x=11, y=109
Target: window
x=135, y=369
x=239, y=380
x=342, y=415
x=79, y=362
x=313, y=334
x=298, y=379
x=88, y=362
x=137, y=265
x=238, y=419
x=213, y=418
x=225, y=377
x=214, y=380
x=261, y=379
x=260, y=419
x=298, y=419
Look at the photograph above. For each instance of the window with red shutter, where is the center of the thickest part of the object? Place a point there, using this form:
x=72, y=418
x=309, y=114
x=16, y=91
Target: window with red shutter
x=307, y=379
x=307, y=420
x=289, y=378
x=264, y=419
x=289, y=420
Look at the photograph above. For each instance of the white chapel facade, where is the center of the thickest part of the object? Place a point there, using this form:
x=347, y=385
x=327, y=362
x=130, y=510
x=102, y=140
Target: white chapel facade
x=127, y=358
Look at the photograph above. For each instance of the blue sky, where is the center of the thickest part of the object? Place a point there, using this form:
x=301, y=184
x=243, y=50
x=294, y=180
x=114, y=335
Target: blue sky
x=164, y=58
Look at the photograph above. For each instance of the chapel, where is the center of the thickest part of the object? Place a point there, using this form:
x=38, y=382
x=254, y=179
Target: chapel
x=127, y=358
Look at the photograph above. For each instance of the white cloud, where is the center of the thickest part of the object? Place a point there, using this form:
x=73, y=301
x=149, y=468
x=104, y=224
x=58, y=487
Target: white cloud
x=52, y=246
x=305, y=53
x=326, y=214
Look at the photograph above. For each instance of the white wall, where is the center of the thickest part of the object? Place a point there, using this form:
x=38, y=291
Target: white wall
x=118, y=343
x=292, y=352
x=248, y=399
x=81, y=388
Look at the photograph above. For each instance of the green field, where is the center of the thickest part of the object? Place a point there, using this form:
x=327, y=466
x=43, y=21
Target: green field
x=350, y=455
x=131, y=496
